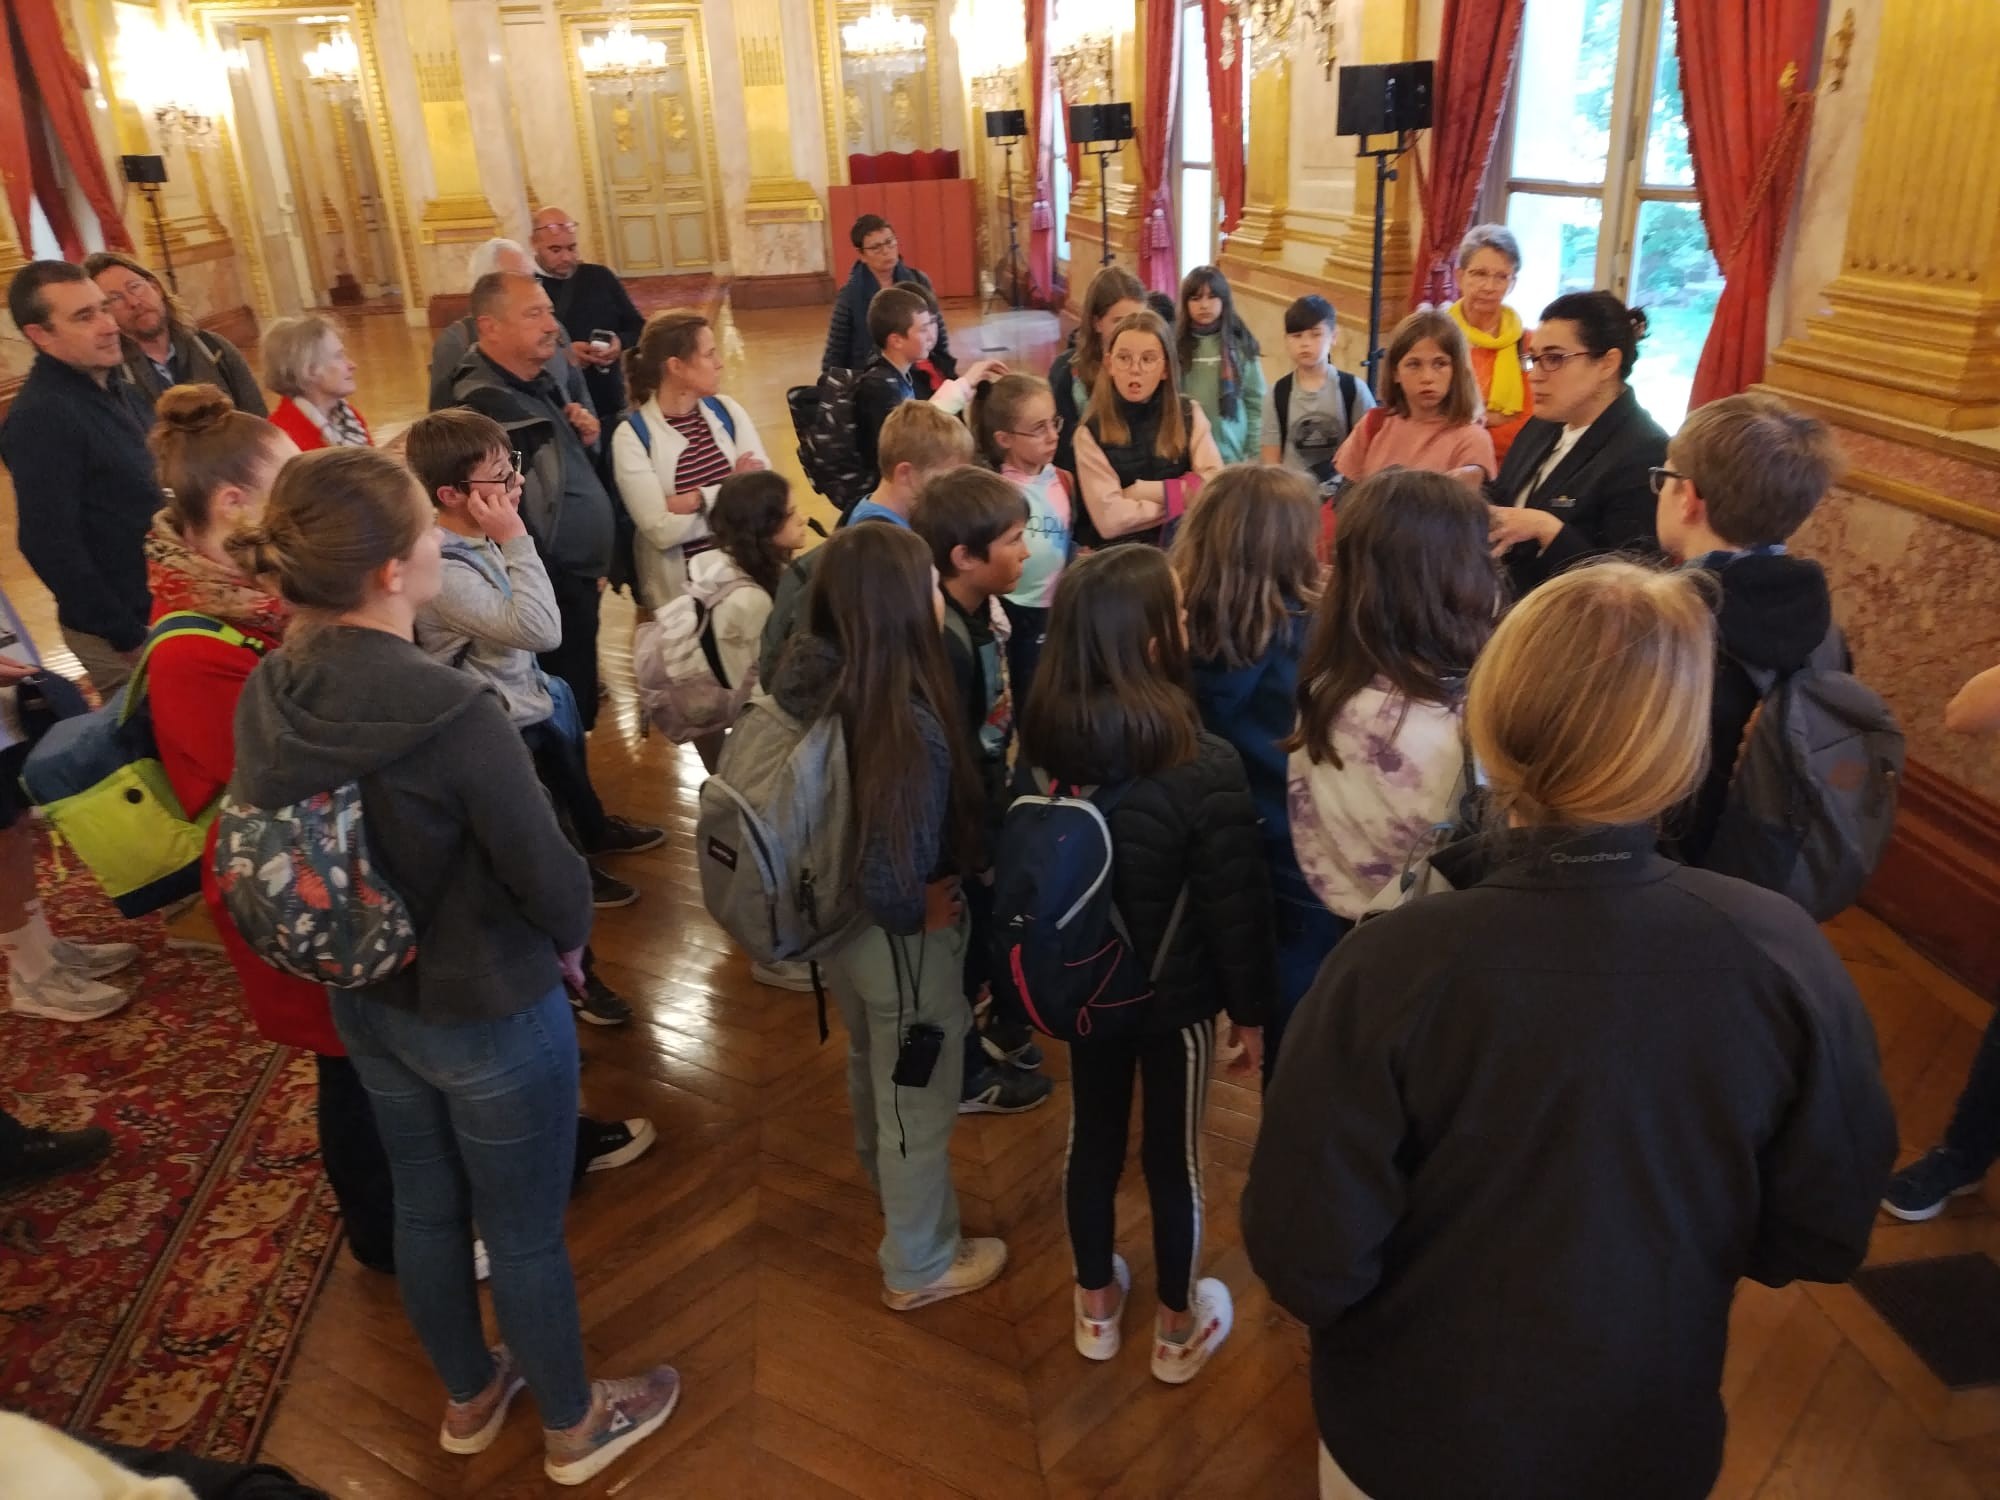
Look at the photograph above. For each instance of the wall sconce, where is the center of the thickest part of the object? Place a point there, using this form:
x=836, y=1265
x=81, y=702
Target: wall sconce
x=1080, y=53
x=170, y=76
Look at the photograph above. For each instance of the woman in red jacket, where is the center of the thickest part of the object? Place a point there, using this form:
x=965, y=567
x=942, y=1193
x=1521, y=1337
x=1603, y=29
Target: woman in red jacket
x=310, y=369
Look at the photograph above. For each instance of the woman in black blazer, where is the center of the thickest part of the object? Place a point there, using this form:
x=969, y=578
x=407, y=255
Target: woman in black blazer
x=1525, y=1136
x=1575, y=481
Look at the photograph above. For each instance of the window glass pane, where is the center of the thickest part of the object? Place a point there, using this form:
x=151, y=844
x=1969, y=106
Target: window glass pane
x=1668, y=163
x=1197, y=217
x=1060, y=186
x=1674, y=277
x=1197, y=133
x=1558, y=248
x=1568, y=67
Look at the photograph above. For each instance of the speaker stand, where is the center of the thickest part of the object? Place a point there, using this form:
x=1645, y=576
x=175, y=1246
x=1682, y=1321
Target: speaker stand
x=1385, y=173
x=1016, y=267
x=152, y=192
x=1104, y=195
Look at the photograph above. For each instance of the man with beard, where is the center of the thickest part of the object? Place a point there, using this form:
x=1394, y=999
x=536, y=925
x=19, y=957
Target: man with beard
x=160, y=348
x=592, y=304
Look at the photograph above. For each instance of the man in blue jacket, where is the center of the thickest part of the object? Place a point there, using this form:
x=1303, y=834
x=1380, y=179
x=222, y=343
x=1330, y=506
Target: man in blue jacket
x=84, y=488
x=849, y=345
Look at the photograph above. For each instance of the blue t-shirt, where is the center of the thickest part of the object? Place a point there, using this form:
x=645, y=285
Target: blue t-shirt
x=868, y=510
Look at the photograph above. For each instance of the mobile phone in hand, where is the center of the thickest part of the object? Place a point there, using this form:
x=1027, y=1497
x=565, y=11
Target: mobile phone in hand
x=602, y=339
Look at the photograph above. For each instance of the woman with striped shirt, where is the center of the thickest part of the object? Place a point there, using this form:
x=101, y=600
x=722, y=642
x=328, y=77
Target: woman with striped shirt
x=680, y=440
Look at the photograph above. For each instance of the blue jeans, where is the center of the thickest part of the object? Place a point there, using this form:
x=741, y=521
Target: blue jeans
x=479, y=1120
x=1307, y=932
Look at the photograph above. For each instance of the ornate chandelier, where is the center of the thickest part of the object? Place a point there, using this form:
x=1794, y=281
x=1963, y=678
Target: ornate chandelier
x=335, y=64
x=1265, y=27
x=620, y=58
x=882, y=41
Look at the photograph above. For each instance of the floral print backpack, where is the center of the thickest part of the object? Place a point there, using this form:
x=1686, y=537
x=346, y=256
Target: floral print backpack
x=300, y=887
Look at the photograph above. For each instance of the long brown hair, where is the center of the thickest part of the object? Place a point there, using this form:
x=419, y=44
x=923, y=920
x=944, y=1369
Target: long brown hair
x=1461, y=403
x=1239, y=344
x=1109, y=287
x=672, y=334
x=873, y=597
x=1411, y=599
x=1247, y=558
x=202, y=443
x=1112, y=697
x=1107, y=422
x=749, y=512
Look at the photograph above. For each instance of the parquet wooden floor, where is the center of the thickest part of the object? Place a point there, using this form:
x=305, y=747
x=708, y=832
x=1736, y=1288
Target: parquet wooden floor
x=742, y=1247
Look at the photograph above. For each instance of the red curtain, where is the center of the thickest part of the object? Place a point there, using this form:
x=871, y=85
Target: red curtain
x=1741, y=67
x=47, y=86
x=1041, y=216
x=1225, y=105
x=1474, y=62
x=1160, y=66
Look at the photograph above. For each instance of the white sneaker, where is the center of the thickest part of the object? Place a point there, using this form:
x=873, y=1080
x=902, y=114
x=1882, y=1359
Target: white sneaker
x=1099, y=1338
x=63, y=995
x=482, y=1264
x=93, y=960
x=978, y=1262
x=1214, y=1312
x=795, y=974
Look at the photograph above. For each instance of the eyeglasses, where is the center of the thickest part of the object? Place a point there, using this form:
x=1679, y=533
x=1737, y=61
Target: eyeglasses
x=875, y=246
x=559, y=224
x=1487, y=278
x=1551, y=360
x=1050, y=428
x=1660, y=476
x=1147, y=362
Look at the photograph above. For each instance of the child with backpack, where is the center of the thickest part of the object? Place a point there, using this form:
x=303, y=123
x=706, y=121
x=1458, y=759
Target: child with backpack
x=903, y=323
x=1111, y=711
x=1314, y=407
x=1741, y=476
x=1249, y=573
x=1018, y=428
x=1144, y=448
x=870, y=663
x=975, y=524
x=1378, y=759
x=458, y=1027
x=1221, y=365
x=680, y=440
x=1430, y=412
x=493, y=612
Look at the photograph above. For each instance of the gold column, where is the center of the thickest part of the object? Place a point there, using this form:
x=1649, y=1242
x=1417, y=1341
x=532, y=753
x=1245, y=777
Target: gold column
x=460, y=211
x=359, y=240
x=1388, y=34
x=1260, y=234
x=1912, y=330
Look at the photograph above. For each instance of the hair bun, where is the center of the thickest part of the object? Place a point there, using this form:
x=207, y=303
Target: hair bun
x=192, y=409
x=1640, y=322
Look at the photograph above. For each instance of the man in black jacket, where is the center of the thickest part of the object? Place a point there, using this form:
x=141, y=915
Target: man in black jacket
x=84, y=488
x=161, y=349
x=1741, y=476
x=565, y=505
x=589, y=301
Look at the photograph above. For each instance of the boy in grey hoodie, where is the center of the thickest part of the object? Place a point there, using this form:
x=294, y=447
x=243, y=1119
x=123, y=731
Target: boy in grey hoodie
x=494, y=611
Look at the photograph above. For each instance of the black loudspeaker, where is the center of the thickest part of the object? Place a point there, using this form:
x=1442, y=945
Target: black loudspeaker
x=1385, y=98
x=148, y=169
x=1006, y=124
x=1092, y=123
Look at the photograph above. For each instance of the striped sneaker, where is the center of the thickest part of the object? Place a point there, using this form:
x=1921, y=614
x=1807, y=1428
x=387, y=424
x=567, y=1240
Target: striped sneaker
x=1214, y=1312
x=623, y=1414
x=1099, y=1338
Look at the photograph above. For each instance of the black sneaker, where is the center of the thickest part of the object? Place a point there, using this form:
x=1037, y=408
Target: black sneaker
x=1014, y=1044
x=1002, y=1089
x=48, y=1153
x=613, y=1143
x=1920, y=1190
x=623, y=836
x=599, y=1004
x=607, y=891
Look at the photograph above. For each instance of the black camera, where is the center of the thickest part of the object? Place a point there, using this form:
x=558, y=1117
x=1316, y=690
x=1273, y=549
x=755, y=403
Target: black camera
x=918, y=1057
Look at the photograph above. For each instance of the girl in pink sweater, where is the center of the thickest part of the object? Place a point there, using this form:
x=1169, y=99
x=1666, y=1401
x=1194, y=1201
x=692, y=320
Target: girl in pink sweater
x=1430, y=412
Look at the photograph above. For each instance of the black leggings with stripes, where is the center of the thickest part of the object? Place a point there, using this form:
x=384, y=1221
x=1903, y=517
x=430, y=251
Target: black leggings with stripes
x=1173, y=1070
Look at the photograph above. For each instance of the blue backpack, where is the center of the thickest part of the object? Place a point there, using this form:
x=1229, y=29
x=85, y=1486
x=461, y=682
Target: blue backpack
x=1061, y=949
x=713, y=403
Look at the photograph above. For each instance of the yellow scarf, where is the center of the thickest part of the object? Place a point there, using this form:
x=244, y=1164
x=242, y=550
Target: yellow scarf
x=1506, y=395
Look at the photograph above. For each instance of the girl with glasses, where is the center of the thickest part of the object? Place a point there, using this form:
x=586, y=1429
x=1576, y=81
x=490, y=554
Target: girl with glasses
x=1144, y=448
x=1018, y=428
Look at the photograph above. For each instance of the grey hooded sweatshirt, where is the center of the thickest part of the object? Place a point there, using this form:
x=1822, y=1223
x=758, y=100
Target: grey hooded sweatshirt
x=456, y=821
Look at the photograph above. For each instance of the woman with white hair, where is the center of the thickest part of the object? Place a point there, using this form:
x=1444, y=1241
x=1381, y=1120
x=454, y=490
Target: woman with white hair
x=306, y=363
x=1489, y=261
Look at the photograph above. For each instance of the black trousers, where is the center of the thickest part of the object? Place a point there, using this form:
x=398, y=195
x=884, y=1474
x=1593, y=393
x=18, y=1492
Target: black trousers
x=575, y=660
x=563, y=764
x=1174, y=1068
x=357, y=1168
x=1975, y=1124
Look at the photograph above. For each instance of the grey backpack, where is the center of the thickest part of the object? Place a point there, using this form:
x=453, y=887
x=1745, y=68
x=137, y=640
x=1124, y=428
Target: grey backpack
x=775, y=835
x=1813, y=797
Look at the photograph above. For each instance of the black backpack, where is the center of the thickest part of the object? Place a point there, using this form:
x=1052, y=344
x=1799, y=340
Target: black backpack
x=1281, y=398
x=823, y=416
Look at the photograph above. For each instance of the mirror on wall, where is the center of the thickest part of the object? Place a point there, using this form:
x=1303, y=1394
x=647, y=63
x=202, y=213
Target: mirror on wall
x=886, y=56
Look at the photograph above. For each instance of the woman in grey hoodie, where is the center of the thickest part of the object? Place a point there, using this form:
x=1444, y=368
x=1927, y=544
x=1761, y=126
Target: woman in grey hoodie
x=468, y=1054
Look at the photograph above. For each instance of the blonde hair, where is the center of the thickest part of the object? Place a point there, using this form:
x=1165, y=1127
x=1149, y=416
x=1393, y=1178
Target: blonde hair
x=924, y=437
x=292, y=346
x=1247, y=557
x=334, y=516
x=1102, y=416
x=1590, y=704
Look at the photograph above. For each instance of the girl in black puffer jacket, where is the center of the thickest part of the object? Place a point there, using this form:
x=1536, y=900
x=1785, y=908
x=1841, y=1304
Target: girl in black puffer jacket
x=1111, y=706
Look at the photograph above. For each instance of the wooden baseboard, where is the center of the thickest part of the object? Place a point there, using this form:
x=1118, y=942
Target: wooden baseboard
x=809, y=289
x=447, y=308
x=1939, y=884
x=238, y=325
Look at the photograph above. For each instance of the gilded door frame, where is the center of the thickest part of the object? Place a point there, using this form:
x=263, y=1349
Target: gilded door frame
x=575, y=22
x=374, y=113
x=828, y=17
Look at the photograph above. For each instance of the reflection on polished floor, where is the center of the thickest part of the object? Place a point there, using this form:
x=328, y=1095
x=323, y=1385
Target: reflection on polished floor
x=742, y=1247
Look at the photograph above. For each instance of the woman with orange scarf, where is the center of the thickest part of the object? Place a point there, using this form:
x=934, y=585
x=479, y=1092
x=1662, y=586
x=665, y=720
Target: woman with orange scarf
x=1489, y=258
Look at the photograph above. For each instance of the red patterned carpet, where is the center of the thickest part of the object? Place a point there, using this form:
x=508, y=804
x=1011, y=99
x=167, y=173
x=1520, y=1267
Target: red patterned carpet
x=154, y=1298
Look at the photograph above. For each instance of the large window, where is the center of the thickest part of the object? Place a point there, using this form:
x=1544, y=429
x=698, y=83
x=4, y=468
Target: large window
x=1196, y=194
x=1598, y=184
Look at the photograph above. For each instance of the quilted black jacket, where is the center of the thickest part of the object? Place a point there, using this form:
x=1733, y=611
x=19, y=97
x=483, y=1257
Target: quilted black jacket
x=1196, y=825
